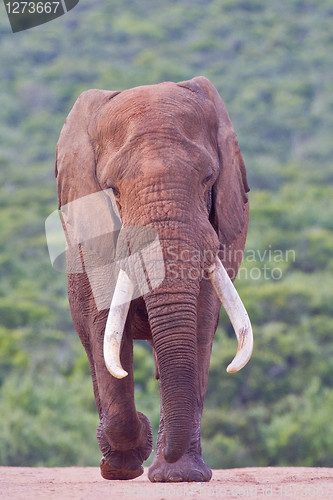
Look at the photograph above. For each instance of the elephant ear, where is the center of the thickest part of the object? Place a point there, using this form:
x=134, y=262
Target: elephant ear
x=230, y=206
x=88, y=217
x=75, y=166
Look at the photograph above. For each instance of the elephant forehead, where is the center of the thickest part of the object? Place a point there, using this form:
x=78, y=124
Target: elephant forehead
x=164, y=111
x=156, y=156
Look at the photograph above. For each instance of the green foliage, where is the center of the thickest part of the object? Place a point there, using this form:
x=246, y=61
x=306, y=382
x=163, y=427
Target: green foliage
x=12, y=354
x=272, y=65
x=40, y=422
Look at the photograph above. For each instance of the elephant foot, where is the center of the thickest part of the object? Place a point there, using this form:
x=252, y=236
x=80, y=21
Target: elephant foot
x=189, y=468
x=109, y=472
x=126, y=464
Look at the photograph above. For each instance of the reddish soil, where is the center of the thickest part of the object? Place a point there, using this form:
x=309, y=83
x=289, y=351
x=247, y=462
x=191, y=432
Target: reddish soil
x=83, y=483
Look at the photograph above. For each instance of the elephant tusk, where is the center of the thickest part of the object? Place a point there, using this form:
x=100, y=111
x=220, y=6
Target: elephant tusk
x=236, y=311
x=115, y=324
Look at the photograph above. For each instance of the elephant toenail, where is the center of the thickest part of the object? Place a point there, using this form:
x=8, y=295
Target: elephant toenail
x=157, y=478
x=175, y=477
x=195, y=476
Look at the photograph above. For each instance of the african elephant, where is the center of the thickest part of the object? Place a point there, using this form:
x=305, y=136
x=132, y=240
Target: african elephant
x=170, y=155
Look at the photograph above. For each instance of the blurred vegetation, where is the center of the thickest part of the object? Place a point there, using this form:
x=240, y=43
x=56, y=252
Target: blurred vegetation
x=272, y=63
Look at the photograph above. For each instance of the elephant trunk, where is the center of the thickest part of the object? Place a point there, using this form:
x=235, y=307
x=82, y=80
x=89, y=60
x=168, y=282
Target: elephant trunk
x=172, y=319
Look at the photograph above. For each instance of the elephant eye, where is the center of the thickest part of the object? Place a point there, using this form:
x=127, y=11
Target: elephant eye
x=111, y=185
x=208, y=178
x=115, y=192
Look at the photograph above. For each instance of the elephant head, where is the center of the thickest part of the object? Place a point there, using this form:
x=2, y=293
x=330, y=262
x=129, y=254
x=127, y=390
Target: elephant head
x=171, y=157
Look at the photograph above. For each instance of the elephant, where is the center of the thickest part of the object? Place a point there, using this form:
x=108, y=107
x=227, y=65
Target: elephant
x=169, y=155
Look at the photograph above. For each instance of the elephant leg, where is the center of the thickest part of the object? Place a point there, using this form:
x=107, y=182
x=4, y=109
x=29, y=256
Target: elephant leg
x=191, y=466
x=124, y=435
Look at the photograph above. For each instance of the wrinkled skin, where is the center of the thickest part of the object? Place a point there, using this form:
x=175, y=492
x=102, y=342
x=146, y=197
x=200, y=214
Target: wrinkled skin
x=171, y=155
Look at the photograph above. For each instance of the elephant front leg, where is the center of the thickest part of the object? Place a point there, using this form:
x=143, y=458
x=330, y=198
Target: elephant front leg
x=125, y=463
x=124, y=435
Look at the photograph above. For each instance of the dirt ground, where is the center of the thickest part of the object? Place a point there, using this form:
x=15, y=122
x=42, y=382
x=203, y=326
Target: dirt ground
x=83, y=483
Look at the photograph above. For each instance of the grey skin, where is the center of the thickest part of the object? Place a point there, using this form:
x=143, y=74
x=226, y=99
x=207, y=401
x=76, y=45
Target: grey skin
x=171, y=156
